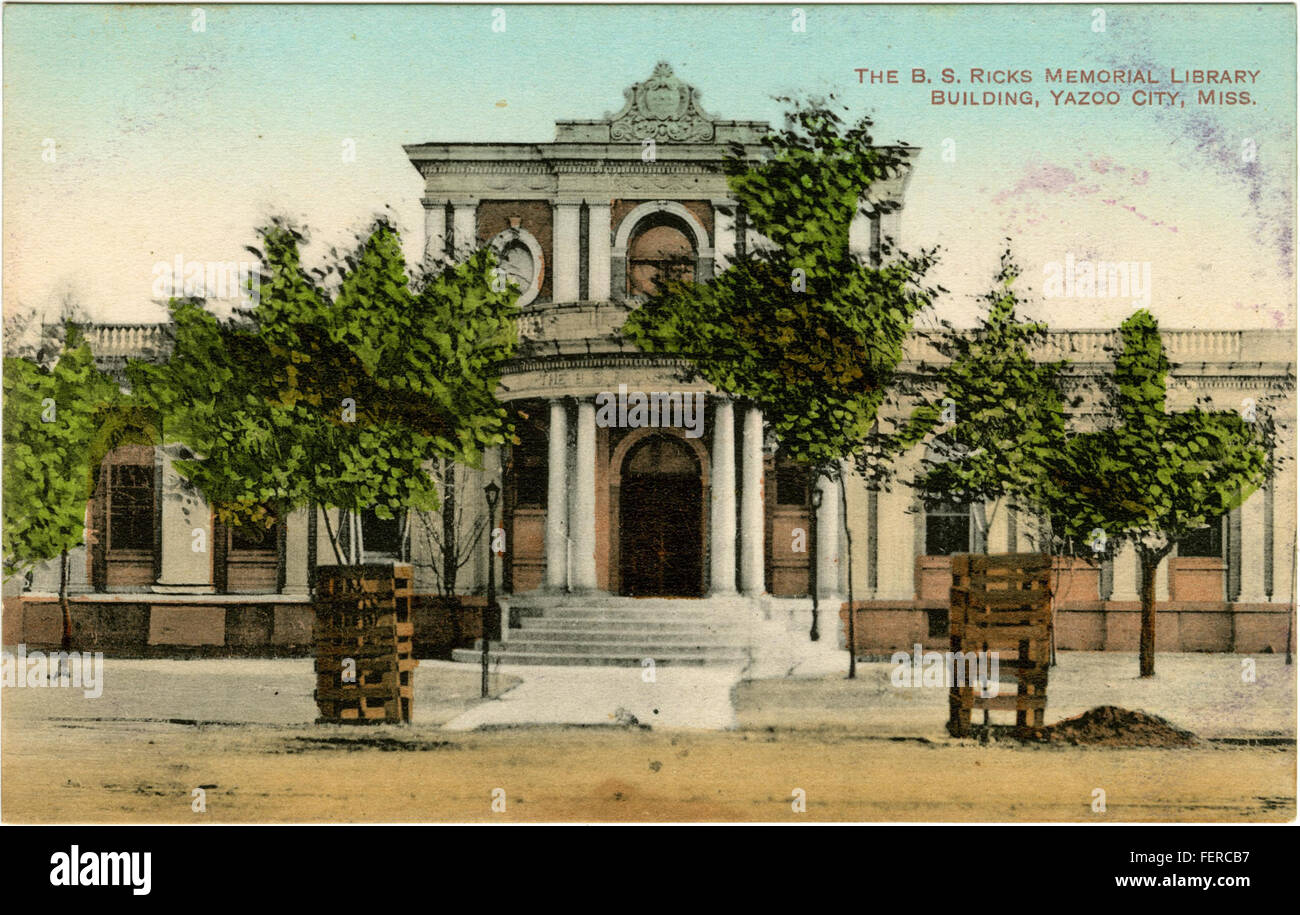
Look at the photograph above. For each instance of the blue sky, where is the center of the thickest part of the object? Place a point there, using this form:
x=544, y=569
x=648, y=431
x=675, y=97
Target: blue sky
x=172, y=141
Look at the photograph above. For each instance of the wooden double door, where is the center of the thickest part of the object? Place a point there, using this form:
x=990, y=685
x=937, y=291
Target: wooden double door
x=661, y=504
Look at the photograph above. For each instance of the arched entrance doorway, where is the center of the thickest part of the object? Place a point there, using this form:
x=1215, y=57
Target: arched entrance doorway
x=661, y=503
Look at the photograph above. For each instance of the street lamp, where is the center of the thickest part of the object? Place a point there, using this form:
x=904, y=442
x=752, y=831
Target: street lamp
x=492, y=491
x=815, y=498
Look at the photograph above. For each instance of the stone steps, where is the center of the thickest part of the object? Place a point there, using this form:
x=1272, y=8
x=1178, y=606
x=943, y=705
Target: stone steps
x=603, y=659
x=640, y=649
x=620, y=631
x=649, y=624
x=627, y=637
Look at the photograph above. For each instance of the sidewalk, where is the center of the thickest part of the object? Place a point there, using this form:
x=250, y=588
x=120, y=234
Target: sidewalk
x=678, y=697
x=1203, y=693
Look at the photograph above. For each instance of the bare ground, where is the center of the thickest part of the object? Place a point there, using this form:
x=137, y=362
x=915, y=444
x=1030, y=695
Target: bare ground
x=65, y=760
x=94, y=771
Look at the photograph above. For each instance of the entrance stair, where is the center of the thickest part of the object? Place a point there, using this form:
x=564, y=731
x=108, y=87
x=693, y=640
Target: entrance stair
x=621, y=631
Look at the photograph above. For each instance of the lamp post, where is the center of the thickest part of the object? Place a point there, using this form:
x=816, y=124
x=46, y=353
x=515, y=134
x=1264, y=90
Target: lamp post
x=815, y=499
x=492, y=491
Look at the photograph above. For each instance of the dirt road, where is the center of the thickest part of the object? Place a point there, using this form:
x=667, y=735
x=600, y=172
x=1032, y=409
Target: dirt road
x=139, y=771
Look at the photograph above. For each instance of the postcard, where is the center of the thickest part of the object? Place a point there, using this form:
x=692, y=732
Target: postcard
x=648, y=413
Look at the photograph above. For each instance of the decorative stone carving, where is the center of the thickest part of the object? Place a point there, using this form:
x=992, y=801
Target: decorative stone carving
x=661, y=108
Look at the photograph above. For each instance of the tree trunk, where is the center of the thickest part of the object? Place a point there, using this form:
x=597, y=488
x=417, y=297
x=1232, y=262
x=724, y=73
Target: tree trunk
x=63, y=601
x=449, y=543
x=450, y=551
x=814, y=634
x=848, y=545
x=1147, y=640
x=65, y=662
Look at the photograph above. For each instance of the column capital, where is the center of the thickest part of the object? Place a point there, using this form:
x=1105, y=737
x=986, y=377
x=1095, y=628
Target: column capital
x=430, y=202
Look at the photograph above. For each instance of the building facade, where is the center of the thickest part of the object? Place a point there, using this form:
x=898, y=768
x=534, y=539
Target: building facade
x=630, y=482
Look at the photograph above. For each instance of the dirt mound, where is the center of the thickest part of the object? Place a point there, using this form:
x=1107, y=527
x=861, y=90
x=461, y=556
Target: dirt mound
x=1112, y=726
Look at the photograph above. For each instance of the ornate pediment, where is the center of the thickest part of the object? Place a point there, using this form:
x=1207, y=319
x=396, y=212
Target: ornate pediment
x=662, y=108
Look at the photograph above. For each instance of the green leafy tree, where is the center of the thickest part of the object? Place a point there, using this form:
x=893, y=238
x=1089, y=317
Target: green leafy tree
x=1152, y=477
x=801, y=326
x=340, y=386
x=997, y=414
x=55, y=403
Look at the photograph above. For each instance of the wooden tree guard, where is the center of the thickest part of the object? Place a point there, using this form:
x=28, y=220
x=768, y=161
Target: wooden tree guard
x=1002, y=604
x=363, y=616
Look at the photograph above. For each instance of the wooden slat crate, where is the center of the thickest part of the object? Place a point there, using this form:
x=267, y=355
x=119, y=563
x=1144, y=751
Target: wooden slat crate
x=363, y=615
x=1002, y=603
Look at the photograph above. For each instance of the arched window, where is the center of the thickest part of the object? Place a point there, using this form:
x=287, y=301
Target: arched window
x=660, y=251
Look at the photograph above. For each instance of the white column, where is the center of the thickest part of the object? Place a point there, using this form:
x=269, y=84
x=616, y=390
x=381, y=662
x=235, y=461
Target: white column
x=557, y=491
x=186, y=553
x=464, y=227
x=295, y=552
x=751, y=503
x=891, y=230
x=1251, y=548
x=1162, y=580
x=722, y=504
x=1282, y=525
x=598, y=251
x=1127, y=576
x=895, y=545
x=996, y=535
x=435, y=231
x=860, y=235
x=582, y=518
x=828, y=540
x=564, y=279
x=724, y=234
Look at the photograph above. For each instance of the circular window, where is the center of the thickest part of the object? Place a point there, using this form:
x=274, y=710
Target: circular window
x=519, y=261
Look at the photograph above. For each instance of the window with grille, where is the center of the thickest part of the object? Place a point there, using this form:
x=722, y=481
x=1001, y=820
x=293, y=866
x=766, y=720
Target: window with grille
x=947, y=529
x=130, y=507
x=1207, y=542
x=381, y=536
x=253, y=535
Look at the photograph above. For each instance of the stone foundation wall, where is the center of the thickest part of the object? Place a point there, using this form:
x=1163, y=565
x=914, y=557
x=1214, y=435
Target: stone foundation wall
x=1093, y=626
x=156, y=628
